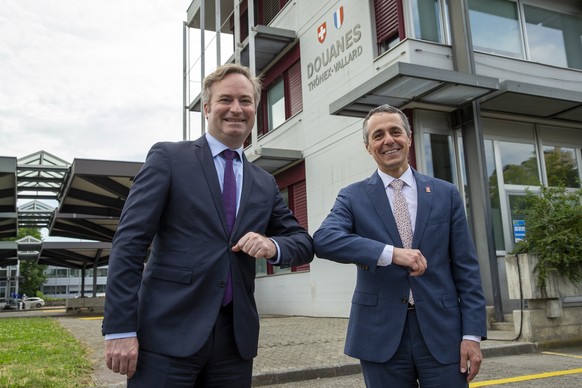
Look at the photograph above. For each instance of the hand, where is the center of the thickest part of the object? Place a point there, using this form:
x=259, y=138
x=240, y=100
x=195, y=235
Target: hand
x=411, y=259
x=471, y=351
x=256, y=245
x=121, y=355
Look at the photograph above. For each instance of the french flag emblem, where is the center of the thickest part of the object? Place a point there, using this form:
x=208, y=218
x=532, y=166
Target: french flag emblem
x=338, y=17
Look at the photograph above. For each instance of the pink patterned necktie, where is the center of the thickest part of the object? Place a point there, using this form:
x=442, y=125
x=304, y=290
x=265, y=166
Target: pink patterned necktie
x=229, y=201
x=402, y=217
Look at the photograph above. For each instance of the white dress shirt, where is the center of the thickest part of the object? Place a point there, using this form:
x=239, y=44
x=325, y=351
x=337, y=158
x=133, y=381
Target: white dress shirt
x=409, y=192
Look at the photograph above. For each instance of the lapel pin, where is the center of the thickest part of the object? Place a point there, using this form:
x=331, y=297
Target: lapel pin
x=427, y=188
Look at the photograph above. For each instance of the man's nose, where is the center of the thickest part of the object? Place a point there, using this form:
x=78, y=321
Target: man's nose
x=235, y=106
x=388, y=139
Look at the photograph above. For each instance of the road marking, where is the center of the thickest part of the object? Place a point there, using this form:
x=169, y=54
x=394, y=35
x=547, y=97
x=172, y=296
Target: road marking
x=526, y=378
x=90, y=318
x=562, y=354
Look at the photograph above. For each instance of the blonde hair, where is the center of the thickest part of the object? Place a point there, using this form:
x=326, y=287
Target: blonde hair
x=222, y=71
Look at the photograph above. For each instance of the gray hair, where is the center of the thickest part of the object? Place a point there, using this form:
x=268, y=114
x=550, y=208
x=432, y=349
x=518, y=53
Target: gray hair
x=385, y=109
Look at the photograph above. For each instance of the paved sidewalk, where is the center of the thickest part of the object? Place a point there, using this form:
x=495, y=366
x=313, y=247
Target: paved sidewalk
x=290, y=348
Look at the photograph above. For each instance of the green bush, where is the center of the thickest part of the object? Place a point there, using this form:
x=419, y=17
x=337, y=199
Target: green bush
x=553, y=232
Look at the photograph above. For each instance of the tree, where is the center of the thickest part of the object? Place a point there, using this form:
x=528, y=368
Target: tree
x=31, y=274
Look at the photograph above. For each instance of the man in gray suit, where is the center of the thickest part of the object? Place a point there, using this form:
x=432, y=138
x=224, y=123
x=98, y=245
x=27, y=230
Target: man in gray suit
x=418, y=310
x=188, y=318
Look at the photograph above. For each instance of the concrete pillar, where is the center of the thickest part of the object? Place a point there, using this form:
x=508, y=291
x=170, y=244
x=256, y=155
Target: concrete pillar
x=473, y=145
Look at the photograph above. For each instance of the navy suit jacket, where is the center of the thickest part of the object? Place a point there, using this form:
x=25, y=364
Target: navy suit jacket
x=175, y=207
x=448, y=296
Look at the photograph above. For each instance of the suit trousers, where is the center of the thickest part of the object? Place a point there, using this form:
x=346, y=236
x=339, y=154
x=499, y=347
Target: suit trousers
x=217, y=365
x=413, y=365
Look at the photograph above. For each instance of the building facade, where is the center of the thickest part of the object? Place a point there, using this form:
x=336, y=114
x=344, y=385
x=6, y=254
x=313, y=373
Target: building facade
x=492, y=88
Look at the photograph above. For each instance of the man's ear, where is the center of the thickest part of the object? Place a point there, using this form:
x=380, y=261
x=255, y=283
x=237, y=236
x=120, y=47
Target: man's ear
x=206, y=110
x=366, y=147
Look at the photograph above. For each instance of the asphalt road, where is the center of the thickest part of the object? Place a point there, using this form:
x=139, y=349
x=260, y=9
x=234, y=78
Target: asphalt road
x=558, y=367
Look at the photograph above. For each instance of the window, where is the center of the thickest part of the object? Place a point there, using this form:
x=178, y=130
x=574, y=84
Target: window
x=292, y=185
x=426, y=15
x=276, y=104
x=389, y=29
x=282, y=95
x=537, y=155
x=495, y=27
x=561, y=166
x=496, y=211
x=439, y=156
x=519, y=163
x=554, y=38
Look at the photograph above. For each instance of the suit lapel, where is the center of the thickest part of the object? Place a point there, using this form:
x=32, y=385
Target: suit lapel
x=424, y=190
x=202, y=152
x=377, y=193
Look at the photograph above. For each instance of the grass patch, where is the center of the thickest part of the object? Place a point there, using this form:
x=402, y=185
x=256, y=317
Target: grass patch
x=38, y=352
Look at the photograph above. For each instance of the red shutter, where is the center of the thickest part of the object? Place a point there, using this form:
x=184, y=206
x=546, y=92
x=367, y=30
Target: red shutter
x=298, y=194
x=294, y=180
x=268, y=10
x=295, y=100
x=386, y=12
x=299, y=200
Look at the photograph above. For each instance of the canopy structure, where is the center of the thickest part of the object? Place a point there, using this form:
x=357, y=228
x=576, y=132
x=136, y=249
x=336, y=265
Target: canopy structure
x=80, y=200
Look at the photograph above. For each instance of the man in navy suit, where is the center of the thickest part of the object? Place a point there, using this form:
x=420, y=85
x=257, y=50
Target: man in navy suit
x=172, y=323
x=418, y=313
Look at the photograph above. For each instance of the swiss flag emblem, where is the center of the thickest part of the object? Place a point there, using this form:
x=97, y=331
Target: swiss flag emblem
x=321, y=32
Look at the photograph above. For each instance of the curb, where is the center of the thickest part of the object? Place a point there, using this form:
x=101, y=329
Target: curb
x=274, y=378
x=512, y=349
x=305, y=374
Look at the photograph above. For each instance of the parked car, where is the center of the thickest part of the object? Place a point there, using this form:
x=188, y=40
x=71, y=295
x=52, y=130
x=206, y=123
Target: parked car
x=12, y=304
x=33, y=302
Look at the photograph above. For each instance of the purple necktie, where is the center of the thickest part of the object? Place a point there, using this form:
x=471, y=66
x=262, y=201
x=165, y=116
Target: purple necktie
x=229, y=201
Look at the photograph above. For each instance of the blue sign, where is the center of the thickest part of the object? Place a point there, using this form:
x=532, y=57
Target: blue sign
x=518, y=230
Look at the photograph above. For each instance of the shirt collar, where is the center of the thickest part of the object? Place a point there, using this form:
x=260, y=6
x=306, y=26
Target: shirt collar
x=216, y=147
x=407, y=177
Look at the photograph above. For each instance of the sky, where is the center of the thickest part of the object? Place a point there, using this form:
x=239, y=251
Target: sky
x=90, y=79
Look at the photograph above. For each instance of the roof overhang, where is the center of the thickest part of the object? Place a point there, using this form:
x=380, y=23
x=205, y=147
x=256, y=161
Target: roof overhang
x=92, y=199
x=8, y=253
x=274, y=159
x=75, y=254
x=406, y=83
x=8, y=197
x=535, y=100
x=194, y=11
x=270, y=42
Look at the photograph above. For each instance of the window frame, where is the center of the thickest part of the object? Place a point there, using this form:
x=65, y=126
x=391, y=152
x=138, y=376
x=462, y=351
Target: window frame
x=291, y=62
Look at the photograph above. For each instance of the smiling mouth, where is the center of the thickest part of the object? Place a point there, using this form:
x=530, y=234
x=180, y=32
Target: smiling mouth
x=389, y=152
x=234, y=120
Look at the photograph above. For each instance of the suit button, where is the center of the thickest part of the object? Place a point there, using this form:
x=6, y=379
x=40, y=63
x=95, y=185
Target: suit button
x=221, y=283
x=404, y=300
